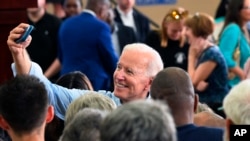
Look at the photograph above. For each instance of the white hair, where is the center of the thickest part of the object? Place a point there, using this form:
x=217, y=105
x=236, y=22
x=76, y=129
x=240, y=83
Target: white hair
x=155, y=63
x=237, y=103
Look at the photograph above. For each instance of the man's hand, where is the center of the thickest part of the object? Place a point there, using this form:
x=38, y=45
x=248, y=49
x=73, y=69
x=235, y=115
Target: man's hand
x=18, y=50
x=16, y=33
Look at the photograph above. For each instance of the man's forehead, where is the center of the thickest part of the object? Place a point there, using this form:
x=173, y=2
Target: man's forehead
x=133, y=58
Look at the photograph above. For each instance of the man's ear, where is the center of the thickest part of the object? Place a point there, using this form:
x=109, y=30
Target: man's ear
x=149, y=83
x=50, y=114
x=196, y=101
x=3, y=123
x=227, y=128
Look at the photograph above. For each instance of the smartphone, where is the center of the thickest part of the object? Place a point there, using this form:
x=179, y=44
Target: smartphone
x=25, y=34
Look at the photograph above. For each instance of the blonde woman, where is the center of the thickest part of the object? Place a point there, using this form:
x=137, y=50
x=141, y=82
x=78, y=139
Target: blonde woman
x=169, y=41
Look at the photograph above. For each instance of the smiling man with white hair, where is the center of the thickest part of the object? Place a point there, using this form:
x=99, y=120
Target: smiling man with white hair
x=136, y=69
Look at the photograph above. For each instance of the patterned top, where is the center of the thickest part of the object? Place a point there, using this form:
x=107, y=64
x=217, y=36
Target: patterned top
x=217, y=80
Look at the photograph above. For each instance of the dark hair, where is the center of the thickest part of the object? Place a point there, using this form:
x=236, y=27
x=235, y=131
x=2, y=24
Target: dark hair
x=233, y=13
x=221, y=9
x=75, y=79
x=23, y=103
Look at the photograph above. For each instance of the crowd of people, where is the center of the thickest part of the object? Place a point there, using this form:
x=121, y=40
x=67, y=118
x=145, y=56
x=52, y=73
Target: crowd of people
x=109, y=77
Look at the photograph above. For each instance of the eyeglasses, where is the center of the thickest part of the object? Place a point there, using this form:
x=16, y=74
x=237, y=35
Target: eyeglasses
x=176, y=15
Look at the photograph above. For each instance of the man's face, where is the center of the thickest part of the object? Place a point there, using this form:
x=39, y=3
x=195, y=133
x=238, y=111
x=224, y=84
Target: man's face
x=130, y=78
x=174, y=30
x=72, y=7
x=104, y=12
x=126, y=4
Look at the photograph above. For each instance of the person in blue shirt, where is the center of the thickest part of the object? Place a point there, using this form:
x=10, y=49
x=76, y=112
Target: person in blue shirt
x=136, y=69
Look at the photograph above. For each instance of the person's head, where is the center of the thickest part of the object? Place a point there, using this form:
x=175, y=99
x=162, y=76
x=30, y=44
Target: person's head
x=236, y=106
x=140, y=120
x=85, y=126
x=238, y=12
x=24, y=107
x=111, y=19
x=125, y=5
x=75, y=79
x=199, y=25
x=136, y=68
x=173, y=25
x=89, y=100
x=72, y=7
x=37, y=11
x=174, y=86
x=100, y=7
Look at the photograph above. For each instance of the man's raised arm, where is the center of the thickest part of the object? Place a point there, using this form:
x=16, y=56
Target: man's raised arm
x=18, y=50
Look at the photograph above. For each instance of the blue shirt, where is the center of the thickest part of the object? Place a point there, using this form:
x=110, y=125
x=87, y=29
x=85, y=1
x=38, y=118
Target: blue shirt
x=60, y=97
x=217, y=80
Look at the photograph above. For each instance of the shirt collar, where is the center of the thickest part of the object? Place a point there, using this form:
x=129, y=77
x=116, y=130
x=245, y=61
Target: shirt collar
x=115, y=28
x=147, y=98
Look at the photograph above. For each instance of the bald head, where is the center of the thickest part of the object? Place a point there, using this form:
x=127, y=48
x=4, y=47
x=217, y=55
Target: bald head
x=174, y=86
x=100, y=8
x=172, y=82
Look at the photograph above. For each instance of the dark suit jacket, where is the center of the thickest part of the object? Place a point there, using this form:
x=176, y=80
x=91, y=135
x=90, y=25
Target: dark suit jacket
x=126, y=35
x=141, y=22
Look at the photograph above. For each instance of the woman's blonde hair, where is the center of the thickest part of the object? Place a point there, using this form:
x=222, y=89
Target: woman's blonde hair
x=175, y=14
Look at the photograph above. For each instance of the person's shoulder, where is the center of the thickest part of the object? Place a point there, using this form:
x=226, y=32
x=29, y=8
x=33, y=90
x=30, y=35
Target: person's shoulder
x=213, y=48
x=140, y=16
x=233, y=27
x=112, y=96
x=68, y=22
x=155, y=33
x=210, y=133
x=209, y=130
x=212, y=52
x=123, y=27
